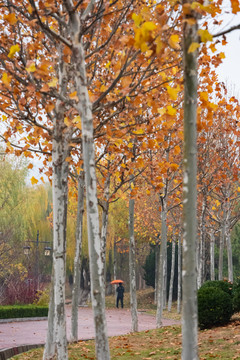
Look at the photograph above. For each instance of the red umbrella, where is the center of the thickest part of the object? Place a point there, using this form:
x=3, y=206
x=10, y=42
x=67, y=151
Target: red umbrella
x=116, y=282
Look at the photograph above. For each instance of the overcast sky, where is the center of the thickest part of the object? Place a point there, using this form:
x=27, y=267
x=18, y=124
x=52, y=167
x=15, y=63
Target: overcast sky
x=229, y=70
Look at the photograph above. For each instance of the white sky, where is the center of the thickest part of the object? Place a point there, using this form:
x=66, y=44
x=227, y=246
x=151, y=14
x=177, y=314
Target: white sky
x=229, y=70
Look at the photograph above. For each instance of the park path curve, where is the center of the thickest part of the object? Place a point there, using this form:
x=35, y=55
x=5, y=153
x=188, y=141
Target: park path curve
x=19, y=333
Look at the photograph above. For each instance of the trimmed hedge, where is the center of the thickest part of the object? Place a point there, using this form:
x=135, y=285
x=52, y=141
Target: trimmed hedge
x=236, y=296
x=215, y=307
x=22, y=311
x=220, y=284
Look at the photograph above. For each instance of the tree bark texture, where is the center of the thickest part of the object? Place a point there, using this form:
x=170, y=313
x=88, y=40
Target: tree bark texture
x=50, y=344
x=172, y=274
x=162, y=262
x=94, y=238
x=212, y=250
x=189, y=272
x=179, y=291
x=77, y=259
x=132, y=266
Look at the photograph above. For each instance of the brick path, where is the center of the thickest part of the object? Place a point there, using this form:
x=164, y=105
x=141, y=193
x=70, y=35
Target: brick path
x=20, y=333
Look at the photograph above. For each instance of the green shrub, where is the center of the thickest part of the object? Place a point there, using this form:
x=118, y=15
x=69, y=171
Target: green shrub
x=214, y=307
x=22, y=311
x=42, y=298
x=236, y=296
x=220, y=284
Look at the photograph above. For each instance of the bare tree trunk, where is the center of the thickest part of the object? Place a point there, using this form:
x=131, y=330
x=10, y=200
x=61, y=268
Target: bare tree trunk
x=228, y=240
x=221, y=247
x=229, y=253
x=132, y=266
x=157, y=256
x=179, y=293
x=105, y=207
x=94, y=238
x=201, y=254
x=77, y=259
x=50, y=344
x=172, y=274
x=189, y=272
x=212, y=248
x=60, y=196
x=162, y=258
x=60, y=151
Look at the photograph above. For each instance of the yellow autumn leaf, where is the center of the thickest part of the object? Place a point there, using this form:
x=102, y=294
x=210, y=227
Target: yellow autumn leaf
x=213, y=48
x=238, y=189
x=73, y=95
x=148, y=26
x=11, y=18
x=194, y=46
x=138, y=132
x=222, y=55
x=67, y=121
x=77, y=122
x=108, y=64
x=34, y=180
x=103, y=88
x=144, y=47
x=31, y=68
x=53, y=82
x=171, y=111
x=159, y=44
x=213, y=106
x=204, y=95
x=173, y=92
x=137, y=19
x=174, y=41
x=30, y=9
x=13, y=50
x=205, y=35
x=6, y=79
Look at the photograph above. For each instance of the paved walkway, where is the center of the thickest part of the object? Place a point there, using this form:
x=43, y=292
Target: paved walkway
x=20, y=333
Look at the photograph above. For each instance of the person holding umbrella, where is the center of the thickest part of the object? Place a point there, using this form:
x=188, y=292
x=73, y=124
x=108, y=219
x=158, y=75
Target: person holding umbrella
x=120, y=294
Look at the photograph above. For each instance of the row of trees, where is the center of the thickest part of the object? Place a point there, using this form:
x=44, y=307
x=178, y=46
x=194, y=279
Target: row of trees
x=96, y=86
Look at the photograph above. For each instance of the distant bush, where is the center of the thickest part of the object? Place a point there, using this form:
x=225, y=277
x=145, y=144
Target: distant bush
x=41, y=298
x=236, y=296
x=220, y=284
x=22, y=311
x=215, y=306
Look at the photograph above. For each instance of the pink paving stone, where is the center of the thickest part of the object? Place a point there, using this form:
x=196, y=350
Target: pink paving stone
x=34, y=332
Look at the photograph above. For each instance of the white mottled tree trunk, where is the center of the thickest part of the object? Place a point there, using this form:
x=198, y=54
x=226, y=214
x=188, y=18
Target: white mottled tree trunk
x=221, y=247
x=105, y=210
x=60, y=197
x=77, y=259
x=229, y=253
x=132, y=267
x=94, y=238
x=212, y=249
x=172, y=274
x=201, y=253
x=162, y=259
x=179, y=292
x=189, y=271
x=50, y=344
